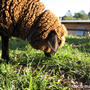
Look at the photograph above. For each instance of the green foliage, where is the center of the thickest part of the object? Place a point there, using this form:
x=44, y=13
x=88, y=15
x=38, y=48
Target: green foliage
x=82, y=16
x=29, y=69
x=68, y=18
x=77, y=16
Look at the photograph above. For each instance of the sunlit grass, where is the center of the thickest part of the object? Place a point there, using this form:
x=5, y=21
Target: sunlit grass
x=29, y=69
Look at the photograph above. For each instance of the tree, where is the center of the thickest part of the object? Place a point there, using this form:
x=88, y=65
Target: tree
x=68, y=13
x=77, y=16
x=68, y=16
x=81, y=16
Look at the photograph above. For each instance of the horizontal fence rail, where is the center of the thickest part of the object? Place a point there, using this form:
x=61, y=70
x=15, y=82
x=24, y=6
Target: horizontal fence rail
x=69, y=29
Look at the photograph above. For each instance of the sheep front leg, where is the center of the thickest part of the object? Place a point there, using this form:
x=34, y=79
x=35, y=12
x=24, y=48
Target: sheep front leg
x=5, y=51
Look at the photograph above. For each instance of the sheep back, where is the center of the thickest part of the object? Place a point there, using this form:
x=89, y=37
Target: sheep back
x=18, y=16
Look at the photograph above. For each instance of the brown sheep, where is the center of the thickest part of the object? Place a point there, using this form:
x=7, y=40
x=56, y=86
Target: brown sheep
x=27, y=20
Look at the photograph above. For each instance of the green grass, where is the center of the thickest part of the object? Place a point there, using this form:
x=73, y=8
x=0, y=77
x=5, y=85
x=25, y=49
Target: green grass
x=29, y=69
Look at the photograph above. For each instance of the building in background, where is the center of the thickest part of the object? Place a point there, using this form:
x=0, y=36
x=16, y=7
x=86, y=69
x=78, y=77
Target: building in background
x=77, y=27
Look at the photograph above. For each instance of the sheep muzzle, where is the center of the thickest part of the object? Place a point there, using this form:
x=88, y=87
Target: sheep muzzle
x=53, y=43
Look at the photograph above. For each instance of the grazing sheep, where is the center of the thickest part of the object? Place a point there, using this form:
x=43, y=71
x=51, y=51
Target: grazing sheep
x=27, y=20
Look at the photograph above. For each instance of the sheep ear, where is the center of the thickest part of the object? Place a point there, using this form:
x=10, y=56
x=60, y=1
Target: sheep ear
x=53, y=41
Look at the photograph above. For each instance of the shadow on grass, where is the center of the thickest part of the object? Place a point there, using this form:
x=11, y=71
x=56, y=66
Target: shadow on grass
x=81, y=43
x=16, y=44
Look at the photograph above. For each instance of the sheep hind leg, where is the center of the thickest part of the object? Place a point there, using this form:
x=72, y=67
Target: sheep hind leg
x=5, y=51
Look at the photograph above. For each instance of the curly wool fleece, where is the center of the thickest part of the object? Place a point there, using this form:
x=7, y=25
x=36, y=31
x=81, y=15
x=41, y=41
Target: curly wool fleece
x=26, y=19
x=18, y=16
x=49, y=22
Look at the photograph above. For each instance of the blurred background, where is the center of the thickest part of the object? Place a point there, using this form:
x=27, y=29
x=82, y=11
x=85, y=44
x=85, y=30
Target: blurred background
x=74, y=14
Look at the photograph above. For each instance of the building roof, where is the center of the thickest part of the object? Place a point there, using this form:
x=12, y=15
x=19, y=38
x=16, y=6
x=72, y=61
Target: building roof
x=75, y=21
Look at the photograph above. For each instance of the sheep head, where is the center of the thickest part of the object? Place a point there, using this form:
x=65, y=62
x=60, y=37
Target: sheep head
x=48, y=34
x=53, y=43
